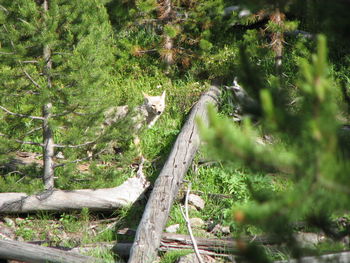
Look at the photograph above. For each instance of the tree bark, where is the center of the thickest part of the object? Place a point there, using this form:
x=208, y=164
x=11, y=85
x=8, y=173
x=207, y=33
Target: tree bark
x=94, y=199
x=33, y=253
x=166, y=11
x=49, y=145
x=277, y=39
x=48, y=149
x=148, y=235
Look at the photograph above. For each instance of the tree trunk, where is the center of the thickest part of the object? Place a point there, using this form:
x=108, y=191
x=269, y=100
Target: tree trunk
x=57, y=200
x=49, y=145
x=165, y=14
x=277, y=40
x=48, y=149
x=33, y=253
x=148, y=235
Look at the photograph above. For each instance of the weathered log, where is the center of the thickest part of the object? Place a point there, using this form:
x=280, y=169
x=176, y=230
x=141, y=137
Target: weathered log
x=170, y=241
x=148, y=235
x=33, y=253
x=59, y=200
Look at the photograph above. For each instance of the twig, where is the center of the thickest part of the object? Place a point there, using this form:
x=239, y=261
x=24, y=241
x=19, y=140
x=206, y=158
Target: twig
x=74, y=146
x=66, y=112
x=7, y=53
x=30, y=143
x=187, y=219
x=23, y=142
x=29, y=61
x=34, y=130
x=78, y=160
x=3, y=8
x=21, y=115
x=30, y=78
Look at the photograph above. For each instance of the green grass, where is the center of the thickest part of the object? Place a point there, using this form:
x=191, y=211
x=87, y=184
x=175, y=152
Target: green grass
x=133, y=75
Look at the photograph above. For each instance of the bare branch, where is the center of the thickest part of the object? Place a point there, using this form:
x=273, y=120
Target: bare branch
x=187, y=219
x=7, y=53
x=74, y=146
x=31, y=79
x=33, y=130
x=66, y=112
x=29, y=61
x=79, y=160
x=21, y=115
x=30, y=143
x=61, y=53
x=3, y=8
x=23, y=142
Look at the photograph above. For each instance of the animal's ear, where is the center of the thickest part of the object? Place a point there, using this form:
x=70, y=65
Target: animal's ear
x=163, y=94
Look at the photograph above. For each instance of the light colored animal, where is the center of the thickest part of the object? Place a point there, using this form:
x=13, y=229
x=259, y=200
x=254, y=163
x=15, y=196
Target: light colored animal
x=146, y=114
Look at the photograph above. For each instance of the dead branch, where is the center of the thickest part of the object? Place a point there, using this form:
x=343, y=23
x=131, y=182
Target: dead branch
x=21, y=115
x=188, y=223
x=74, y=146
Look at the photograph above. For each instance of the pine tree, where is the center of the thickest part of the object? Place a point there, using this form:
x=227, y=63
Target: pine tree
x=56, y=64
x=306, y=148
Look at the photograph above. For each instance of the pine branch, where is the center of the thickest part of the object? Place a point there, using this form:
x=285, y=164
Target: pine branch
x=20, y=63
x=21, y=115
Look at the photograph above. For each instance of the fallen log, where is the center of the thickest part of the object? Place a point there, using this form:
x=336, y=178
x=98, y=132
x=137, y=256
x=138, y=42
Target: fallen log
x=148, y=235
x=16, y=250
x=170, y=241
x=63, y=200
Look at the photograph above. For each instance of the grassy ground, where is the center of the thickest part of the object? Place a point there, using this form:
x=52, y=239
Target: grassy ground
x=222, y=186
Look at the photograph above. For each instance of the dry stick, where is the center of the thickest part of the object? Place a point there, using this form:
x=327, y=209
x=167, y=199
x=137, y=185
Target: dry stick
x=21, y=115
x=31, y=79
x=74, y=146
x=187, y=219
x=148, y=236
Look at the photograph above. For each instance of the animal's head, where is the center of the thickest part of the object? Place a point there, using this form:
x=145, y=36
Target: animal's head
x=155, y=104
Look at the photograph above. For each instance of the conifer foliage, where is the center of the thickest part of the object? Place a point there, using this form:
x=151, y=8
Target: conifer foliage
x=56, y=58
x=305, y=149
